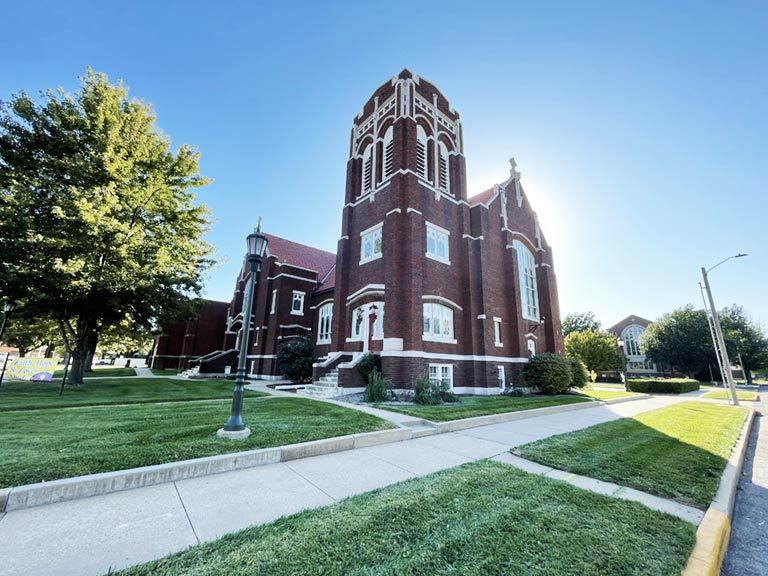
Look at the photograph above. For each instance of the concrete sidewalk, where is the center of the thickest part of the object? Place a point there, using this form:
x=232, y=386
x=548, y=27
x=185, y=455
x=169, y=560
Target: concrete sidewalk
x=91, y=535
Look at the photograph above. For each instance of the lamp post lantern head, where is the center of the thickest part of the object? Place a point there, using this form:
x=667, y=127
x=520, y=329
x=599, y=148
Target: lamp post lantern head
x=620, y=343
x=257, y=244
x=8, y=306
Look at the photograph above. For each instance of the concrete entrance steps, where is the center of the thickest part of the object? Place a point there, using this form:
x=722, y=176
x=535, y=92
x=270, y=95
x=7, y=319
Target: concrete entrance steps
x=420, y=428
x=326, y=387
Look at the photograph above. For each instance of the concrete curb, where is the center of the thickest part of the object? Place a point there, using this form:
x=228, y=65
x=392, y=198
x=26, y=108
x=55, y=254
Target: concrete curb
x=714, y=531
x=30, y=495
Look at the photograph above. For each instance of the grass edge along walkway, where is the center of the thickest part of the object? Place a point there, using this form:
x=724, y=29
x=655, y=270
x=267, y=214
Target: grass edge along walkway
x=51, y=444
x=472, y=406
x=678, y=452
x=479, y=518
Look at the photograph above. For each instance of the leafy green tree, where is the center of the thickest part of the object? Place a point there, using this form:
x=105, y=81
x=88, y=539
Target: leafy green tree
x=28, y=333
x=746, y=342
x=580, y=322
x=98, y=221
x=125, y=339
x=596, y=350
x=682, y=339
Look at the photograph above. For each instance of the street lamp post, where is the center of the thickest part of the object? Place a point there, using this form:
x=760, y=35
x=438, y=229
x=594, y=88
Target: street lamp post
x=719, y=341
x=7, y=309
x=623, y=358
x=234, y=426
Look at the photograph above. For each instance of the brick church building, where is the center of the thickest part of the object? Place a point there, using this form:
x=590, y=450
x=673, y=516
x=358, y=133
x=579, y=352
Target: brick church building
x=435, y=282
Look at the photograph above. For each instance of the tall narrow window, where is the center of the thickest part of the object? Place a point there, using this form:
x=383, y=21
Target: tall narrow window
x=497, y=331
x=437, y=243
x=297, y=304
x=502, y=377
x=273, y=307
x=367, y=184
x=421, y=152
x=631, y=336
x=325, y=316
x=444, y=180
x=389, y=153
x=527, y=272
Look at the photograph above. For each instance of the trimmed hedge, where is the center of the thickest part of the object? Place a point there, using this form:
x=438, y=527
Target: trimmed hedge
x=549, y=373
x=666, y=386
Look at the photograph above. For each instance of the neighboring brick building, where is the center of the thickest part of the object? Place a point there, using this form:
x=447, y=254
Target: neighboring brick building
x=629, y=331
x=462, y=289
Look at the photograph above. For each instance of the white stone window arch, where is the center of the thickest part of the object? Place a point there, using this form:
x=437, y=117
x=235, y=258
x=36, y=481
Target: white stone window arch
x=529, y=294
x=443, y=169
x=421, y=153
x=389, y=153
x=367, y=181
x=631, y=337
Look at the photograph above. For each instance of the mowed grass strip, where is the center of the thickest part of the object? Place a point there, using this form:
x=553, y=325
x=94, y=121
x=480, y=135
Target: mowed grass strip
x=470, y=406
x=606, y=394
x=725, y=395
x=110, y=372
x=678, y=452
x=38, y=445
x=33, y=395
x=480, y=519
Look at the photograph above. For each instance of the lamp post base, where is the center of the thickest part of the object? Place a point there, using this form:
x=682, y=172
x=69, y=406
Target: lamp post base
x=233, y=434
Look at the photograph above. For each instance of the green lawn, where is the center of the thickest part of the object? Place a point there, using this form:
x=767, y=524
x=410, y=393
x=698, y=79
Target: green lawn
x=470, y=406
x=164, y=372
x=677, y=452
x=724, y=395
x=37, y=445
x=606, y=394
x=108, y=372
x=480, y=519
x=26, y=395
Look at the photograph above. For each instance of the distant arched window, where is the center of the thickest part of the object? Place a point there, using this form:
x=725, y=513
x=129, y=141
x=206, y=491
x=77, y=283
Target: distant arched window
x=443, y=174
x=526, y=266
x=631, y=336
x=421, y=152
x=367, y=183
x=389, y=153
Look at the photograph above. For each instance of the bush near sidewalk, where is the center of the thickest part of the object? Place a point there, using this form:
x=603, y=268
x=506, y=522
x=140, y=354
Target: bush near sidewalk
x=665, y=386
x=550, y=373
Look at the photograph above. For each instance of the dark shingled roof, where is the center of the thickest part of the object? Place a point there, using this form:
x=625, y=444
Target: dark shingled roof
x=482, y=197
x=289, y=252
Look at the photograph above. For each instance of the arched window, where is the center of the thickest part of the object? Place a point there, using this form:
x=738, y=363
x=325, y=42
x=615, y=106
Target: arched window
x=631, y=336
x=438, y=322
x=443, y=174
x=529, y=294
x=421, y=152
x=367, y=183
x=389, y=153
x=325, y=318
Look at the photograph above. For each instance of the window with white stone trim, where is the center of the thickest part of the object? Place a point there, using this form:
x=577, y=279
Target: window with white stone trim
x=367, y=180
x=297, y=303
x=497, y=331
x=437, y=322
x=361, y=317
x=389, y=153
x=421, y=153
x=273, y=306
x=529, y=295
x=441, y=374
x=443, y=172
x=370, y=244
x=437, y=243
x=325, y=319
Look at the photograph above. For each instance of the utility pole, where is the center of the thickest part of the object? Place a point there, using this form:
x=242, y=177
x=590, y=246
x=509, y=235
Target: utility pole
x=727, y=374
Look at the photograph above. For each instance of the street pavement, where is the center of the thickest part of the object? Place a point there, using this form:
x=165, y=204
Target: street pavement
x=748, y=549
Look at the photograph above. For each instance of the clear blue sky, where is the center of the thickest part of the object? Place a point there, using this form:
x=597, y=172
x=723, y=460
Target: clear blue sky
x=641, y=129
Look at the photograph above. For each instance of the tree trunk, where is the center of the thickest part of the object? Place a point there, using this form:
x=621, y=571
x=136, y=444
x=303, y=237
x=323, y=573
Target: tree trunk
x=92, y=341
x=75, y=374
x=22, y=351
x=49, y=350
